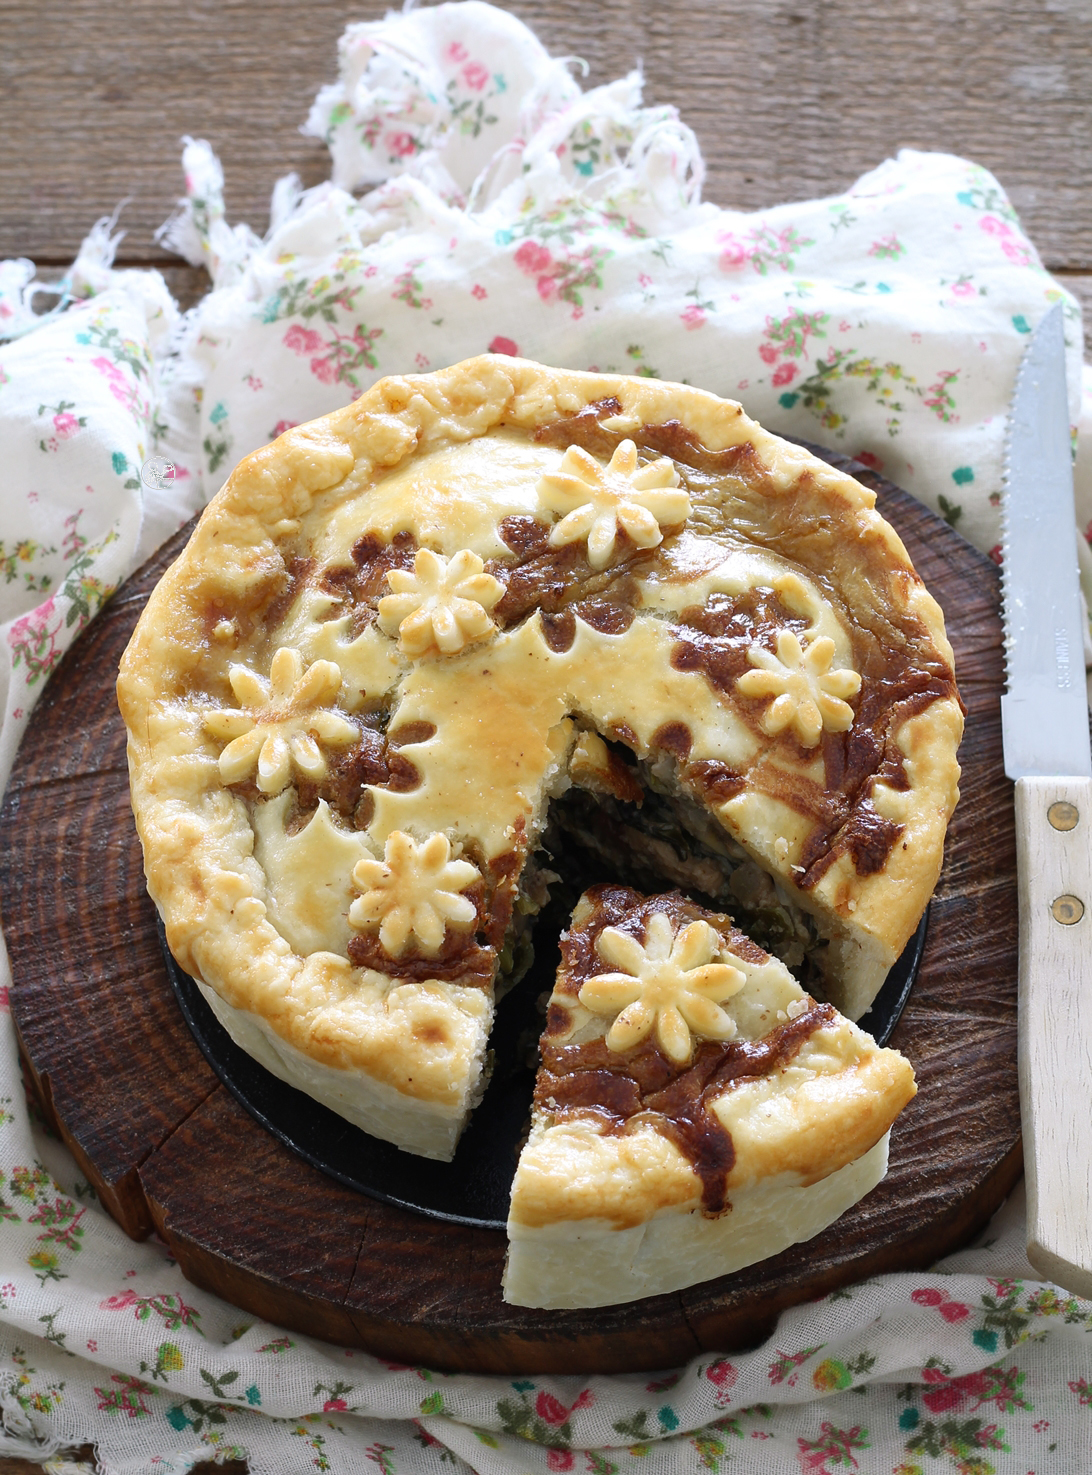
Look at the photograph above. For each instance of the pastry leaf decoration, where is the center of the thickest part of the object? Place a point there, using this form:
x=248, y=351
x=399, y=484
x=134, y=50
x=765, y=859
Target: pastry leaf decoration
x=670, y=985
x=280, y=723
x=595, y=502
x=413, y=893
x=808, y=695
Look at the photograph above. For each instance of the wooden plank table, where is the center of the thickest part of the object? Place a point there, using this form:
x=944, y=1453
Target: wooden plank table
x=788, y=100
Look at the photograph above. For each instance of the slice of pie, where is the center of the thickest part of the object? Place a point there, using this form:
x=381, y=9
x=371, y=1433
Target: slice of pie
x=695, y=1109
x=503, y=607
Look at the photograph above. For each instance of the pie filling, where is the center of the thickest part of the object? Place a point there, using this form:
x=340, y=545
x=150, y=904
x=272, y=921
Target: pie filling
x=643, y=828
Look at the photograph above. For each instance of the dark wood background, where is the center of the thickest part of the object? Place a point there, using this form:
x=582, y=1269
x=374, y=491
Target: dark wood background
x=789, y=98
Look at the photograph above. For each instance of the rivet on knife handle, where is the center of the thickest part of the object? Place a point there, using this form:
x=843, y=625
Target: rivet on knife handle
x=1054, y=865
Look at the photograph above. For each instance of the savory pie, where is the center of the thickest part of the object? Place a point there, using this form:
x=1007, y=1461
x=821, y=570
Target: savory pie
x=416, y=649
x=695, y=1110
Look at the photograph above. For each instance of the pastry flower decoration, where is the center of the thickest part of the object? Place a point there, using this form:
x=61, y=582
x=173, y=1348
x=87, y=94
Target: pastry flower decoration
x=284, y=720
x=413, y=892
x=671, y=984
x=595, y=500
x=808, y=695
x=442, y=605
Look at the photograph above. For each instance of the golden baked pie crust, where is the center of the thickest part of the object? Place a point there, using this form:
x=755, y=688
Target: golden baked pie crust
x=424, y=1038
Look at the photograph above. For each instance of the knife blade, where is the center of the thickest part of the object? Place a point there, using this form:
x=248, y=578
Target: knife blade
x=1044, y=717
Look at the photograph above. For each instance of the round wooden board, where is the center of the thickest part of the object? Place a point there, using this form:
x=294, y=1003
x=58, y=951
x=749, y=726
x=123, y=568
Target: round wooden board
x=168, y=1147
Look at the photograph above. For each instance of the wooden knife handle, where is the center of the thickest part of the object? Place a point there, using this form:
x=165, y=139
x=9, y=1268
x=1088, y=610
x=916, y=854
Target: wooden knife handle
x=1054, y=867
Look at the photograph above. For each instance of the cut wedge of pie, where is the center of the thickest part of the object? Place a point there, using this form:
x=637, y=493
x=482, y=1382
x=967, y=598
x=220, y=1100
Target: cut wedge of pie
x=695, y=1109
x=415, y=650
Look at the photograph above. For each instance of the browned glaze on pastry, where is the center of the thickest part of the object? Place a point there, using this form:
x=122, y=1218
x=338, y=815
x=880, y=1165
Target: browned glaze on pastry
x=715, y=639
x=347, y=775
x=671, y=438
x=715, y=780
x=896, y=685
x=372, y=761
x=629, y=910
x=613, y=777
x=539, y=576
x=298, y=571
x=267, y=599
x=362, y=584
x=502, y=880
x=902, y=672
x=461, y=959
x=559, y=629
x=643, y=1086
x=675, y=738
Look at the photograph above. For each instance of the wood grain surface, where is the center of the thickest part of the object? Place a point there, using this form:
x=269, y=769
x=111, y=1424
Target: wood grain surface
x=167, y=1146
x=790, y=98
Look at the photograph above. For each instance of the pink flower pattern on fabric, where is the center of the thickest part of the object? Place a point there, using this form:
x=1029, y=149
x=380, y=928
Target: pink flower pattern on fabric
x=302, y=340
x=1013, y=247
x=402, y=145
x=949, y=1309
x=992, y=1382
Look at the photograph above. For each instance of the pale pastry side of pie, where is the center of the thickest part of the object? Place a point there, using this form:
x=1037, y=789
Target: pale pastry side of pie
x=499, y=605
x=695, y=1109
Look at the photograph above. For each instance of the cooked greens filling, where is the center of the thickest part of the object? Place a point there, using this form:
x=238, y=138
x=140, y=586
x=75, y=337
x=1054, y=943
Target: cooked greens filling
x=518, y=952
x=665, y=840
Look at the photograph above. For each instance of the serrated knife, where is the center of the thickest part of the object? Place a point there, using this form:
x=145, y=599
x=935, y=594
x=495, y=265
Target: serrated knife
x=1044, y=716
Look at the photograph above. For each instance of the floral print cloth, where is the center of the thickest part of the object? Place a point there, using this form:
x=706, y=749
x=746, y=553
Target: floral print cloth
x=506, y=210
x=79, y=400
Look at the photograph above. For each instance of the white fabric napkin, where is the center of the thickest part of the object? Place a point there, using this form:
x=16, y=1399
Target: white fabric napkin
x=505, y=210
